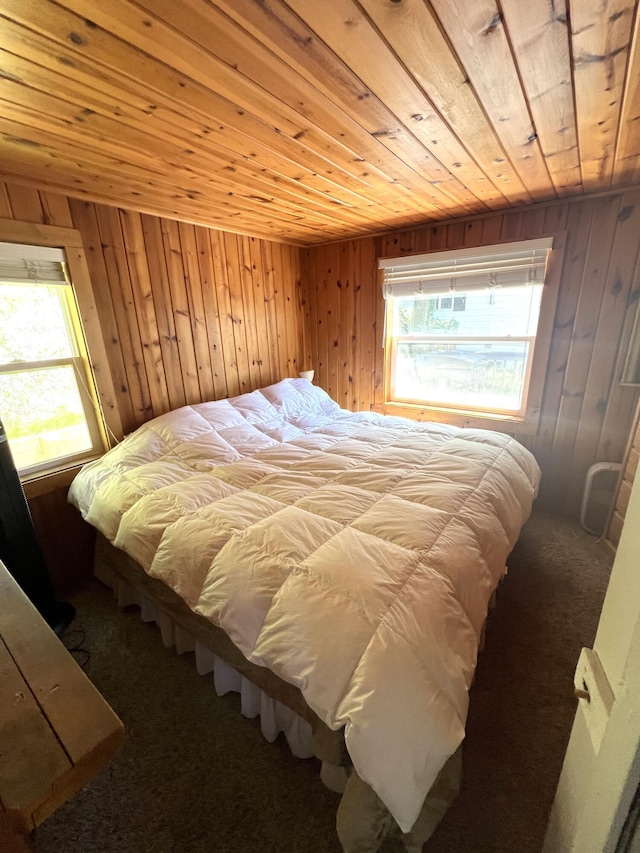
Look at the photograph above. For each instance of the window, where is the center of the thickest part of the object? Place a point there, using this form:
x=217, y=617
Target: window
x=48, y=403
x=461, y=327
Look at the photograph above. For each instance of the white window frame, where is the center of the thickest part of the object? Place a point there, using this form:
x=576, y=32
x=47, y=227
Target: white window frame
x=443, y=339
x=36, y=262
x=70, y=241
x=479, y=260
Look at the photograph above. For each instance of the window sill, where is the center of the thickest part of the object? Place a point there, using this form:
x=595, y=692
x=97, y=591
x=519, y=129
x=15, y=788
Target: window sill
x=45, y=482
x=456, y=417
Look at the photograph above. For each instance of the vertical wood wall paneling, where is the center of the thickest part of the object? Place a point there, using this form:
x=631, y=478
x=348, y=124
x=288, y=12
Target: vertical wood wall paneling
x=547, y=437
x=280, y=294
x=251, y=326
x=275, y=317
x=544, y=336
x=85, y=219
x=455, y=235
x=243, y=321
x=290, y=277
x=25, y=204
x=602, y=382
x=585, y=415
x=197, y=313
x=333, y=316
x=66, y=541
x=491, y=231
x=181, y=314
x=174, y=303
x=319, y=285
x=106, y=393
x=472, y=232
x=128, y=331
x=512, y=226
x=253, y=262
x=225, y=317
x=271, y=313
x=210, y=271
x=343, y=321
x=56, y=210
x=371, y=345
x=595, y=254
x=622, y=399
x=376, y=373
x=237, y=310
x=307, y=304
x=532, y=222
x=145, y=310
x=351, y=330
x=163, y=304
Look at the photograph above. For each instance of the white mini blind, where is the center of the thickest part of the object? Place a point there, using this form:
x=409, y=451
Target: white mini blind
x=464, y=270
x=21, y=264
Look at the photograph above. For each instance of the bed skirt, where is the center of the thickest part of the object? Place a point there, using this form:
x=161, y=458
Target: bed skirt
x=363, y=821
x=275, y=718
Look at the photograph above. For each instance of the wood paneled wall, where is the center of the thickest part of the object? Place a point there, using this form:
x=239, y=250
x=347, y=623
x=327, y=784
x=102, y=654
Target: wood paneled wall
x=586, y=414
x=187, y=313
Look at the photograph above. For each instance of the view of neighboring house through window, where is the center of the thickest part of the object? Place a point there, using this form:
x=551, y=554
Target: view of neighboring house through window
x=461, y=326
x=47, y=401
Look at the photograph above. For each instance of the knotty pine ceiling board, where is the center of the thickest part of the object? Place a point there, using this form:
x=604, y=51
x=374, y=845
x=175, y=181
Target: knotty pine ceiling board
x=306, y=122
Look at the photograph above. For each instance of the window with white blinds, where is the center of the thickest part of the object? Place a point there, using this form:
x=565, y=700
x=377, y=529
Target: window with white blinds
x=47, y=397
x=461, y=326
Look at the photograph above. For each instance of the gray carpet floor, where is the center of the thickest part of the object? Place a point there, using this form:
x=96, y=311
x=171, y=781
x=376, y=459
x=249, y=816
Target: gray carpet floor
x=193, y=776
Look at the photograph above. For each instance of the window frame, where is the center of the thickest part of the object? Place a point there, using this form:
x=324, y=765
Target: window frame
x=79, y=362
x=90, y=338
x=443, y=339
x=527, y=422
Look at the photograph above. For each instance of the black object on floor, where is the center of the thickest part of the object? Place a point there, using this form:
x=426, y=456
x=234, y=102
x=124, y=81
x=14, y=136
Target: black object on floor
x=19, y=549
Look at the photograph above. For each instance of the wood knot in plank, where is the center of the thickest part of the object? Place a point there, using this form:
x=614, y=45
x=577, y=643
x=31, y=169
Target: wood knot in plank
x=20, y=140
x=493, y=24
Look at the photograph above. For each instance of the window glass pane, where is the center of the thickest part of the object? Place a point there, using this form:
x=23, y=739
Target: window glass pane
x=32, y=324
x=43, y=415
x=488, y=376
x=495, y=312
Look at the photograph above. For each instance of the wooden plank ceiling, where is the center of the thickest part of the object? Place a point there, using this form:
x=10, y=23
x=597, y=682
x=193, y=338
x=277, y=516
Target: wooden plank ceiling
x=306, y=121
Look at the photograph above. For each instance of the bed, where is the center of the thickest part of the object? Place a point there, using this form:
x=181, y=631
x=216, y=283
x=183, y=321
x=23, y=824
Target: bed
x=349, y=557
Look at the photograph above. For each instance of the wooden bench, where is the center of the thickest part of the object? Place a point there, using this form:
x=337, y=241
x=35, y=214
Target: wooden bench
x=56, y=730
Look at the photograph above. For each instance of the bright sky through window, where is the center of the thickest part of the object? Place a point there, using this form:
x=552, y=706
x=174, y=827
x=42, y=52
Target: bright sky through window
x=45, y=402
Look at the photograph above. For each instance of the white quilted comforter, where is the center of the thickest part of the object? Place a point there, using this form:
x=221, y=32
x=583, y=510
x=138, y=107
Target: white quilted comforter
x=352, y=554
